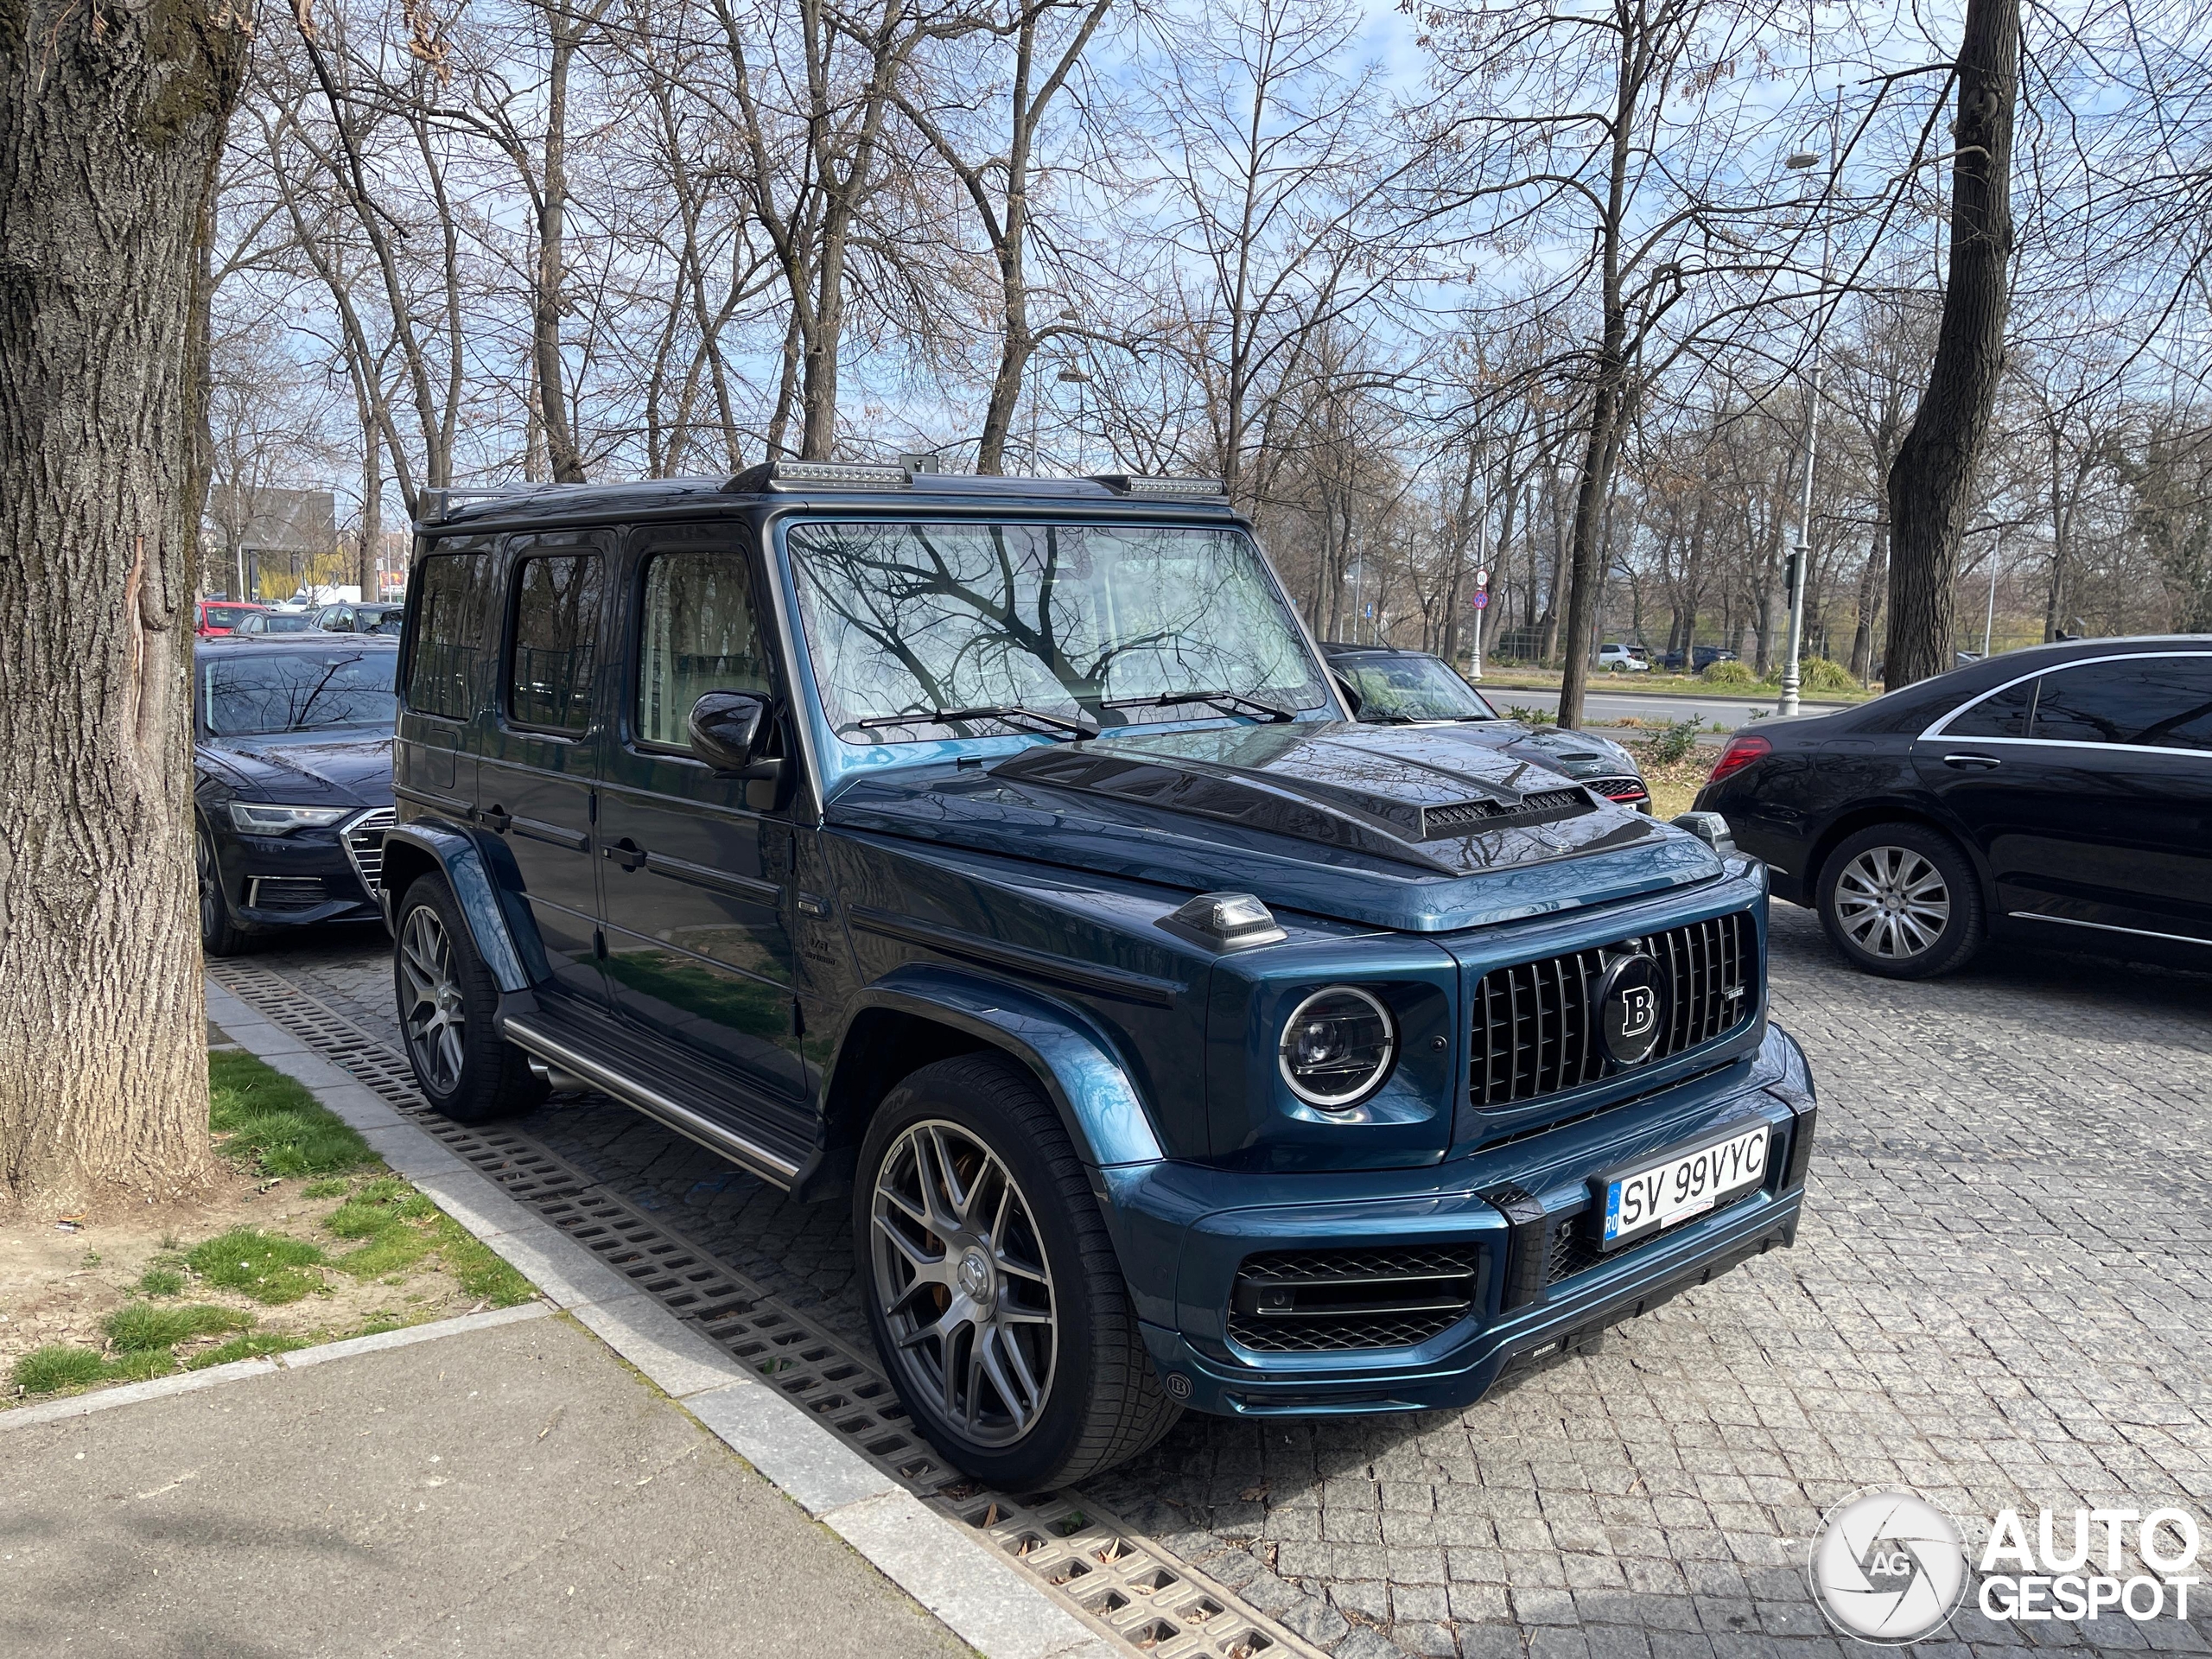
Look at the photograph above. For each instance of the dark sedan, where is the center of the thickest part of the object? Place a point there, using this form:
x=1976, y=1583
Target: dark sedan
x=2060, y=796
x=1391, y=687
x=292, y=781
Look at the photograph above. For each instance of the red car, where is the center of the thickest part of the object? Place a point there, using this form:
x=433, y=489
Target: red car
x=222, y=616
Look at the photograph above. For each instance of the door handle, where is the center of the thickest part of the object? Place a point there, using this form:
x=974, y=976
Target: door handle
x=494, y=820
x=627, y=853
x=1972, y=762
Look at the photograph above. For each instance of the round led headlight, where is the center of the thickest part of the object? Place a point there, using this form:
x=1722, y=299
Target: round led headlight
x=1336, y=1047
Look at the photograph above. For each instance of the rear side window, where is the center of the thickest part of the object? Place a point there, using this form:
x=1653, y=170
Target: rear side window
x=444, y=665
x=555, y=636
x=2006, y=714
x=2152, y=701
x=696, y=633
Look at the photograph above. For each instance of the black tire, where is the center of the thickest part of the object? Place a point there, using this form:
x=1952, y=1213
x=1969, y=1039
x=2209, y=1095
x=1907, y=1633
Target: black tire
x=463, y=1067
x=1902, y=901
x=1100, y=1402
x=220, y=932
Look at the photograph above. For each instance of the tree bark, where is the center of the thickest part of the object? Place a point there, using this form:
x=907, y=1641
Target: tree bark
x=111, y=120
x=1931, y=481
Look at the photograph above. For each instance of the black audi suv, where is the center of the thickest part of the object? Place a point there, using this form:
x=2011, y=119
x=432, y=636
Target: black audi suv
x=2059, y=796
x=291, y=780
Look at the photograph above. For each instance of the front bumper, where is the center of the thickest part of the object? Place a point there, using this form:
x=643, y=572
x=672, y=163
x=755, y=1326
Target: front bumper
x=300, y=879
x=1540, y=1287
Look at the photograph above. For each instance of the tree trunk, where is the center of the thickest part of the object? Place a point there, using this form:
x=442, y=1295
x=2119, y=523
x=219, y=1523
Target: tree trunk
x=552, y=236
x=111, y=120
x=1592, y=500
x=1932, y=480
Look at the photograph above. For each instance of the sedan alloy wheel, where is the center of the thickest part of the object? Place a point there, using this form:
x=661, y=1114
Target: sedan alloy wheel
x=1894, y=902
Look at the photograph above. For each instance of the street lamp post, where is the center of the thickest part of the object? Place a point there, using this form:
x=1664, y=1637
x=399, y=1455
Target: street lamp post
x=1801, y=556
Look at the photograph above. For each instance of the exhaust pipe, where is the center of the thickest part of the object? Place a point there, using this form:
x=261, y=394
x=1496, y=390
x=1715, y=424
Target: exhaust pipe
x=560, y=1082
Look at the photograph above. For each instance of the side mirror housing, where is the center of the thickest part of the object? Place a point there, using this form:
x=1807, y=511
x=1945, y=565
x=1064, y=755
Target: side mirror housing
x=1710, y=828
x=731, y=731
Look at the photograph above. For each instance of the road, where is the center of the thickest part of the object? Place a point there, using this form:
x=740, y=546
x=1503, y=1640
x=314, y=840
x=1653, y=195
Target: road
x=1725, y=713
x=2001, y=1297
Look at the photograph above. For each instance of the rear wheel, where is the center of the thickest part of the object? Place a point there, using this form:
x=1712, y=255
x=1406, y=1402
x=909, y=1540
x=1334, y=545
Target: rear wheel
x=994, y=1292
x=447, y=999
x=1902, y=901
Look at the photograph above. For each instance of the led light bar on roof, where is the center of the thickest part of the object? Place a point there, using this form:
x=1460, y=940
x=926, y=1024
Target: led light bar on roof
x=1137, y=484
x=820, y=475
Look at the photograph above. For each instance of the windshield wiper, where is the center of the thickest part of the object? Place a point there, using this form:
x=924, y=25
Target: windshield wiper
x=1227, y=702
x=1049, y=725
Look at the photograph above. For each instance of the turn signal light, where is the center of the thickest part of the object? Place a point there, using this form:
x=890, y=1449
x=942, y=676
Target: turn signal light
x=1740, y=752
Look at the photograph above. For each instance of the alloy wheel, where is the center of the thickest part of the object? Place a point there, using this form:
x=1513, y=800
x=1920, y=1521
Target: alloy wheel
x=1893, y=902
x=210, y=885
x=432, y=1009
x=962, y=1279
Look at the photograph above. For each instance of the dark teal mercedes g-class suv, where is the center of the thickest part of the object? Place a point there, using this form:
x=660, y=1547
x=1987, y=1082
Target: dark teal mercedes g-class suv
x=1000, y=855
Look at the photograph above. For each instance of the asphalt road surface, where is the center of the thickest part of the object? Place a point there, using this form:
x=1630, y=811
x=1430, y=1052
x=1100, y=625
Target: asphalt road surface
x=1725, y=712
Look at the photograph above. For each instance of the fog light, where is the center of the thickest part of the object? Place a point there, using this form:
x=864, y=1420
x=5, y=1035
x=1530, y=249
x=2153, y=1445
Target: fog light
x=1336, y=1047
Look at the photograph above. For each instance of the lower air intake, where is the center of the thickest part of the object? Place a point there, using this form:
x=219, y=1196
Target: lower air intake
x=1320, y=1301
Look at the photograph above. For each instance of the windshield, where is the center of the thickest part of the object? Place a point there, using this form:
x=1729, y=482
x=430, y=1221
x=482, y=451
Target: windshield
x=1065, y=619
x=1414, y=686
x=283, y=622
x=227, y=616
x=247, y=696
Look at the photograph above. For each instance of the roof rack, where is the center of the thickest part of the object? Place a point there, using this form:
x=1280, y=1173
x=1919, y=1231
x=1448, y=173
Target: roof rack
x=818, y=474
x=438, y=504
x=1139, y=484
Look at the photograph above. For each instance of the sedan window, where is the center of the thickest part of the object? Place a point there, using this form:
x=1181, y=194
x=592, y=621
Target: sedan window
x=2151, y=701
x=2008, y=714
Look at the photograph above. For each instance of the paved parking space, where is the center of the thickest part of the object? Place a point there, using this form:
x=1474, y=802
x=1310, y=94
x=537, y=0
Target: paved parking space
x=1999, y=1299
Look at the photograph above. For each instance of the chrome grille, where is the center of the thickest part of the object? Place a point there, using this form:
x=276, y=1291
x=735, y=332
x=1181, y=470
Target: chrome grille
x=1312, y=1301
x=1533, y=1030
x=364, y=839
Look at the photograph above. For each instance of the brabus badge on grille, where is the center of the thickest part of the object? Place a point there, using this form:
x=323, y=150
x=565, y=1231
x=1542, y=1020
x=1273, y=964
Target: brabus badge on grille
x=1631, y=1000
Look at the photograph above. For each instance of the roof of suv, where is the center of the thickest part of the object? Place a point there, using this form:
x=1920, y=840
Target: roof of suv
x=959, y=493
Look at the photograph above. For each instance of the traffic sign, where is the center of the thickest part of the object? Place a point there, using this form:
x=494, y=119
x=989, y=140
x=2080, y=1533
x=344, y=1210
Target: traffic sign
x=1482, y=598
x=1481, y=578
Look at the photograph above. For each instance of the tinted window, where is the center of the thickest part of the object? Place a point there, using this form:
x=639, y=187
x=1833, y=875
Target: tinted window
x=555, y=635
x=1415, y=686
x=2005, y=714
x=442, y=667
x=2163, y=701
x=255, y=693
x=696, y=633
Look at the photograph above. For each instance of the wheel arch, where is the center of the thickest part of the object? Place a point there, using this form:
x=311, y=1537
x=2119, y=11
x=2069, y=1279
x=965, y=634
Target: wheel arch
x=504, y=934
x=918, y=1015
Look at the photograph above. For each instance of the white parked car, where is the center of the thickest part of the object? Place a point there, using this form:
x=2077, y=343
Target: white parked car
x=1615, y=658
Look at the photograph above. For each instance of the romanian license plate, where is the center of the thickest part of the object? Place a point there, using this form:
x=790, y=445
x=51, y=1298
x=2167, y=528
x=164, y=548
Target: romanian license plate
x=1681, y=1184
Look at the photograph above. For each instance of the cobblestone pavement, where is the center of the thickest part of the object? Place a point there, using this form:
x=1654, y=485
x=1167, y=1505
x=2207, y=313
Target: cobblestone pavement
x=1999, y=1299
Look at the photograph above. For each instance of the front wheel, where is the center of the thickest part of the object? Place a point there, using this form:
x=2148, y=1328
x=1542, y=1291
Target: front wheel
x=1903, y=901
x=994, y=1294
x=446, y=998
x=219, y=936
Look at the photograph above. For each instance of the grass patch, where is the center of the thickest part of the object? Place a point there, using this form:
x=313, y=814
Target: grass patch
x=161, y=1281
x=141, y=1325
x=140, y=1365
x=263, y=1266
x=247, y=1347
x=481, y=1271
x=334, y=1188
x=272, y=1124
x=58, y=1365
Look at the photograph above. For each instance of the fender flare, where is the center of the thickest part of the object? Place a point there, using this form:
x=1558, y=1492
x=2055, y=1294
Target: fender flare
x=1101, y=1107
x=499, y=923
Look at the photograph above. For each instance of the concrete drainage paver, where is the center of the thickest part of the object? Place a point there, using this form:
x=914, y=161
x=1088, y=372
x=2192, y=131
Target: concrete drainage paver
x=1999, y=1298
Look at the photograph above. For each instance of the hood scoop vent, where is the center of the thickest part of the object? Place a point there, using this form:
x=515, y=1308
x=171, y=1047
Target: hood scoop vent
x=1472, y=818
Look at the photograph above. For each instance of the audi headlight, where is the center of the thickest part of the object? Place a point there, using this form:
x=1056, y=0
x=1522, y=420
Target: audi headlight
x=1336, y=1047
x=260, y=818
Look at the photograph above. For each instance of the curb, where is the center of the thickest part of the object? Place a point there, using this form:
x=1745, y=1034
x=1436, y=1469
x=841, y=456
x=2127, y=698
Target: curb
x=983, y=1598
x=58, y=1411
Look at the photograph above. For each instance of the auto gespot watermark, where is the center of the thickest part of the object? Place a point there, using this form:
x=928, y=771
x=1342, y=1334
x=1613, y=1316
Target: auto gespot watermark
x=1889, y=1567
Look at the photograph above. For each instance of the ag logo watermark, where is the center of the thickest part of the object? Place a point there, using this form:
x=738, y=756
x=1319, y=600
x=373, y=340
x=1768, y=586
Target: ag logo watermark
x=1888, y=1567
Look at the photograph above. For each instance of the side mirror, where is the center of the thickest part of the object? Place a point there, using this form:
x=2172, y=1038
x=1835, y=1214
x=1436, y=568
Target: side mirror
x=731, y=731
x=1708, y=826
